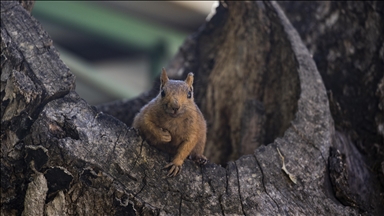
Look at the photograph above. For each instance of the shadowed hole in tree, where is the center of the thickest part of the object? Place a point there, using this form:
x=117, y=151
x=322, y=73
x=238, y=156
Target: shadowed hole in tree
x=58, y=179
x=87, y=176
x=247, y=84
x=71, y=130
x=38, y=154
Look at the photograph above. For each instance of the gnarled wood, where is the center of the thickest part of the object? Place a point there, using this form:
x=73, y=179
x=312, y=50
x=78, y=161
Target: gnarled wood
x=347, y=44
x=94, y=164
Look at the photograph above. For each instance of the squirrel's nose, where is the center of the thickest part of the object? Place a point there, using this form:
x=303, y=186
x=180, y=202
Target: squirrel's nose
x=175, y=108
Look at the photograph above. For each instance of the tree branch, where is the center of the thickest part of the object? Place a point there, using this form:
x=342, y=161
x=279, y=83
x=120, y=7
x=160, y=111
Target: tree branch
x=97, y=165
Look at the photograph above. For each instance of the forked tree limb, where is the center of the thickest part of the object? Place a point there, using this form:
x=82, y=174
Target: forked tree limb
x=94, y=164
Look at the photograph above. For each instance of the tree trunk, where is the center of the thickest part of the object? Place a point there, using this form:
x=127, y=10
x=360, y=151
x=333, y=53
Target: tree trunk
x=347, y=43
x=267, y=112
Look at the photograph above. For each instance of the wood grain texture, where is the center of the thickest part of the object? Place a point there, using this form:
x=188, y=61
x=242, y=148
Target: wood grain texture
x=95, y=164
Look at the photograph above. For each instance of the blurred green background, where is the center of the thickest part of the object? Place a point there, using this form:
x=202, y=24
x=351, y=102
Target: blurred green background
x=117, y=48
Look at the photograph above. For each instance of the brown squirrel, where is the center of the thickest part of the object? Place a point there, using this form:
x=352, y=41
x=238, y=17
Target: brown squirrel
x=173, y=123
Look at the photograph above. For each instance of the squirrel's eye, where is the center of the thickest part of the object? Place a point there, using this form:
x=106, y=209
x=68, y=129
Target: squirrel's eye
x=162, y=93
x=189, y=94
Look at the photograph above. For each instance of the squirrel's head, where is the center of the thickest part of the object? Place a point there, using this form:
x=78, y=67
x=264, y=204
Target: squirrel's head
x=176, y=95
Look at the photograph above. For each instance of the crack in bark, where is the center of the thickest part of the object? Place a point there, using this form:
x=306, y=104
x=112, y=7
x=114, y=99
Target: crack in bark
x=238, y=186
x=181, y=200
x=209, y=181
x=141, y=189
x=226, y=178
x=110, y=157
x=137, y=158
x=221, y=204
x=263, y=182
x=113, y=149
x=202, y=179
x=284, y=208
x=226, y=191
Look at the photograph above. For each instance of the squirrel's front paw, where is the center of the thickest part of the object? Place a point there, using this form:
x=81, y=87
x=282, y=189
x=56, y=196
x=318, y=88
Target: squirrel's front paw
x=174, y=169
x=165, y=136
x=200, y=160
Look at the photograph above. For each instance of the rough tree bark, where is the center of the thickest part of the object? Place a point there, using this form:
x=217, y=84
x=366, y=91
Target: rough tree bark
x=347, y=43
x=256, y=83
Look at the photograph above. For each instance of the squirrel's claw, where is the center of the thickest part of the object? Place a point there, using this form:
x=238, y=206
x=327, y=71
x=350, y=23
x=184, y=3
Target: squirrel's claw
x=202, y=161
x=174, y=170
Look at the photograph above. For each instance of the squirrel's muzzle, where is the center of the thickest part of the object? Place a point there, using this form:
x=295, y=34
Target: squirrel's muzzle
x=173, y=107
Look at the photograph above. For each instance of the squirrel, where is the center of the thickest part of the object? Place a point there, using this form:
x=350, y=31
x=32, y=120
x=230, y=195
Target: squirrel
x=173, y=123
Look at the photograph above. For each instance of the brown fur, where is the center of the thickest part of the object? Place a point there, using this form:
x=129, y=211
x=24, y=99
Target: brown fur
x=173, y=123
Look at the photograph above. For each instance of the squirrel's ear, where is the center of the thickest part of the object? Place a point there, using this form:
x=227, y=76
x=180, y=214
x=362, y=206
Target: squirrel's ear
x=163, y=78
x=189, y=79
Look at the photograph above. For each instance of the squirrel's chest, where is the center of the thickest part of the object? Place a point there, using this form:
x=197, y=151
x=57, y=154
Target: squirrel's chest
x=178, y=127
